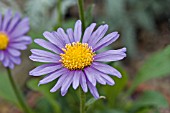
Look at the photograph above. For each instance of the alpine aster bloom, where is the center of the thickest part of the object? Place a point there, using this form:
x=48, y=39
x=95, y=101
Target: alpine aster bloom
x=13, y=38
x=74, y=61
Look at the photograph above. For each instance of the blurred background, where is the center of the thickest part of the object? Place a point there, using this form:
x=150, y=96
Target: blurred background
x=144, y=26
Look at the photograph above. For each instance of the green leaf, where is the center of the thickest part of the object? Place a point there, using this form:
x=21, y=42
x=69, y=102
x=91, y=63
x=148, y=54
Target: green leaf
x=150, y=99
x=157, y=65
x=6, y=91
x=44, y=89
x=92, y=101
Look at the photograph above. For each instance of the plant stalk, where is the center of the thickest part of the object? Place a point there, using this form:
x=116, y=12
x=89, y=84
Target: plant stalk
x=82, y=101
x=18, y=94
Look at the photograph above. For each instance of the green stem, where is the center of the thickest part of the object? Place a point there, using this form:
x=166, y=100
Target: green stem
x=81, y=13
x=59, y=19
x=18, y=93
x=82, y=101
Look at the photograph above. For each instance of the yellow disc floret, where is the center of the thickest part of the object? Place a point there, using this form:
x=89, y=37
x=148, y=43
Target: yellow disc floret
x=4, y=40
x=77, y=56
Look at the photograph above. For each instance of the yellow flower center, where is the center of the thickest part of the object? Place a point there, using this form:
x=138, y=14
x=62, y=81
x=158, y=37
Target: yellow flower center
x=4, y=40
x=77, y=56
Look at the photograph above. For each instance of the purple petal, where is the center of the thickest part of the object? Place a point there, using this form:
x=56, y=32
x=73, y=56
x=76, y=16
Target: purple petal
x=59, y=83
x=1, y=55
x=77, y=31
x=90, y=75
x=63, y=35
x=97, y=76
x=11, y=65
x=6, y=20
x=43, y=59
x=88, y=32
x=14, y=22
x=52, y=76
x=70, y=34
x=106, y=69
x=53, y=39
x=18, y=46
x=111, y=55
x=48, y=45
x=16, y=60
x=83, y=82
x=0, y=21
x=21, y=28
x=107, y=40
x=108, y=79
x=42, y=53
x=45, y=69
x=76, y=79
x=22, y=39
x=13, y=52
x=96, y=36
x=6, y=60
x=95, y=33
x=93, y=90
x=67, y=82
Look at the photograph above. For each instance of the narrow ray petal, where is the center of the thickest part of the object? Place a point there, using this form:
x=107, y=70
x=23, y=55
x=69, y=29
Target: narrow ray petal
x=93, y=90
x=52, y=76
x=45, y=69
x=59, y=83
x=76, y=79
x=90, y=75
x=83, y=82
x=107, y=40
x=106, y=69
x=111, y=55
x=77, y=31
x=88, y=32
x=48, y=45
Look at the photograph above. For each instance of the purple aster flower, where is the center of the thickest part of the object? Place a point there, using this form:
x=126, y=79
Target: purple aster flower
x=75, y=62
x=13, y=38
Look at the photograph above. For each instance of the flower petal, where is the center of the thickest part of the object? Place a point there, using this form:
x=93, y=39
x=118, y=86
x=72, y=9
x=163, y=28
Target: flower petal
x=1, y=55
x=77, y=31
x=88, y=32
x=59, y=83
x=45, y=69
x=0, y=21
x=6, y=60
x=108, y=79
x=63, y=35
x=83, y=82
x=14, y=22
x=98, y=35
x=52, y=76
x=93, y=90
x=16, y=60
x=42, y=53
x=70, y=34
x=43, y=59
x=13, y=52
x=107, y=40
x=67, y=82
x=76, y=79
x=18, y=46
x=48, y=45
x=53, y=39
x=90, y=75
x=106, y=69
x=6, y=20
x=22, y=39
x=111, y=55
x=21, y=28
